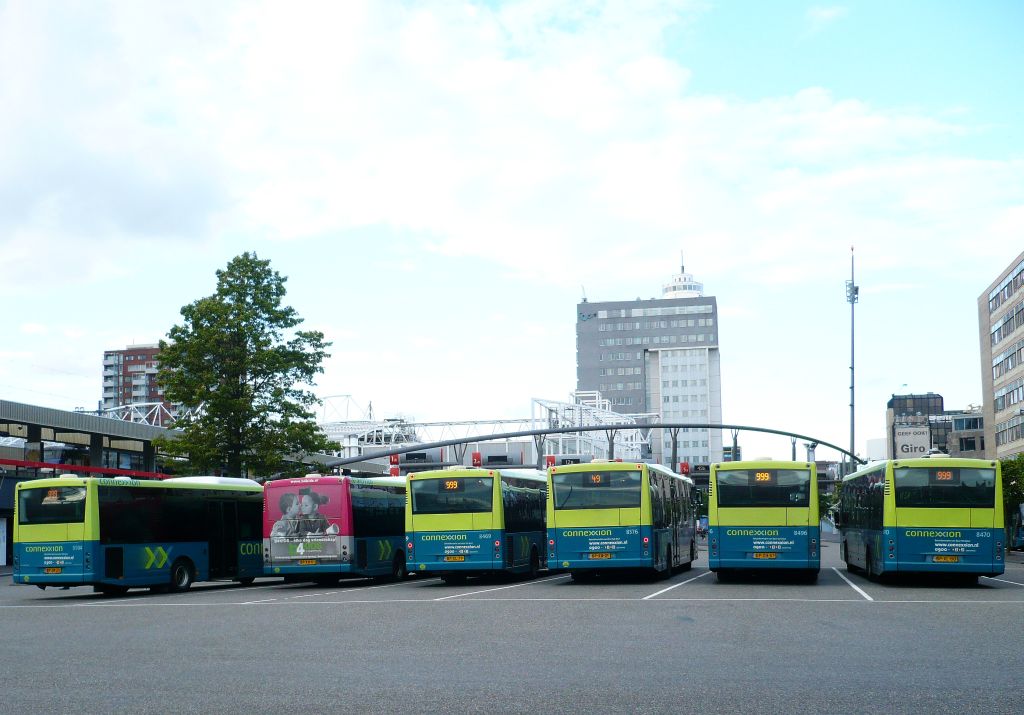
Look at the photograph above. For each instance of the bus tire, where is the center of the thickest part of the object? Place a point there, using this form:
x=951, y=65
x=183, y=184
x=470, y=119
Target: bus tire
x=844, y=551
x=247, y=581
x=869, y=569
x=581, y=576
x=534, y=563
x=667, y=573
x=454, y=579
x=810, y=577
x=182, y=576
x=398, y=570
x=693, y=557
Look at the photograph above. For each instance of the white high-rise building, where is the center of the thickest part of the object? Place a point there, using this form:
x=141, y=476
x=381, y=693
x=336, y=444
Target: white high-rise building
x=658, y=356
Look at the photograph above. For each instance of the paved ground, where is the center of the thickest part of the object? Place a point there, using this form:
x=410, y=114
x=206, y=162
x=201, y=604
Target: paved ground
x=687, y=644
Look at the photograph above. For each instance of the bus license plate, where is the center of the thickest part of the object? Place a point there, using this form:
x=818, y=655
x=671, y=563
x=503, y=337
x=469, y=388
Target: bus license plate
x=52, y=569
x=764, y=555
x=307, y=562
x=946, y=559
x=600, y=556
x=454, y=558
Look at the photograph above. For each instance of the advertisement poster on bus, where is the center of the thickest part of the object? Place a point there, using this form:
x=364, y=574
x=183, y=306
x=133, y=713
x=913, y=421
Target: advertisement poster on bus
x=304, y=521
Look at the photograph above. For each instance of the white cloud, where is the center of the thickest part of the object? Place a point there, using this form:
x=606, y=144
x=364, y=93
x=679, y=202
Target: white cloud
x=545, y=144
x=819, y=17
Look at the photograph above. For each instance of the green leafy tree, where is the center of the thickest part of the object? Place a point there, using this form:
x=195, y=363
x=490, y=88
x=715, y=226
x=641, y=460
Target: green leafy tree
x=1013, y=489
x=238, y=360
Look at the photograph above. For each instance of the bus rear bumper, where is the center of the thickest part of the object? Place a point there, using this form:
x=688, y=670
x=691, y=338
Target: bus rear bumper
x=979, y=569
x=460, y=567
x=328, y=569
x=601, y=564
x=765, y=564
x=33, y=578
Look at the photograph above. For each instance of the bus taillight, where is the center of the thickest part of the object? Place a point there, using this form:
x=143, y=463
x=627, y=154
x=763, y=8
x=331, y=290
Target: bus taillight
x=551, y=542
x=647, y=540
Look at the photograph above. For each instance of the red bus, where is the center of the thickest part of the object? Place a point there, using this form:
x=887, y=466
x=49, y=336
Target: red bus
x=323, y=528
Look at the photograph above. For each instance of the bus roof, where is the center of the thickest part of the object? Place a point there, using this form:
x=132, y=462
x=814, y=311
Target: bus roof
x=931, y=461
x=764, y=464
x=175, y=483
x=517, y=472
x=357, y=478
x=218, y=481
x=619, y=465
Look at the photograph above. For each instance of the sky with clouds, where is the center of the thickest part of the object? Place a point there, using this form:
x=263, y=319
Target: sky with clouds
x=441, y=183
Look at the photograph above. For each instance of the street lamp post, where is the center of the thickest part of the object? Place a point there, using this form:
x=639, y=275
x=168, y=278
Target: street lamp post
x=852, y=295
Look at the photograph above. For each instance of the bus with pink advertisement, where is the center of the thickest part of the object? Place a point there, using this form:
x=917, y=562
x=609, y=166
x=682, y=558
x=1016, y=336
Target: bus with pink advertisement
x=323, y=528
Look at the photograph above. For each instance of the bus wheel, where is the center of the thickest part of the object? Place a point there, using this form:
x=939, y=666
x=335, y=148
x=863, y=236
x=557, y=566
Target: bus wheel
x=844, y=554
x=534, y=563
x=693, y=557
x=182, y=576
x=454, y=579
x=869, y=568
x=667, y=573
x=724, y=576
x=247, y=581
x=398, y=570
x=582, y=576
x=810, y=577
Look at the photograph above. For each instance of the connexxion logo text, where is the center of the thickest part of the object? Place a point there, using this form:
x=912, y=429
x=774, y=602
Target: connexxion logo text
x=444, y=537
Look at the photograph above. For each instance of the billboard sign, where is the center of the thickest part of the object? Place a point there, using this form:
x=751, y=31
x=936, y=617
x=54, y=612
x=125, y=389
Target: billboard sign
x=911, y=441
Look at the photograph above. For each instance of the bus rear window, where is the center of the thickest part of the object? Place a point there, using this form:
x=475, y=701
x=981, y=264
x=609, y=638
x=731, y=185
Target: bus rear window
x=945, y=487
x=456, y=495
x=764, y=487
x=597, y=489
x=51, y=505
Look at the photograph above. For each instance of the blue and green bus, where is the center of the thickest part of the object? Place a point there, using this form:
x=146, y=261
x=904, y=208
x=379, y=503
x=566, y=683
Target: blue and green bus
x=121, y=533
x=461, y=522
x=929, y=514
x=763, y=515
x=605, y=516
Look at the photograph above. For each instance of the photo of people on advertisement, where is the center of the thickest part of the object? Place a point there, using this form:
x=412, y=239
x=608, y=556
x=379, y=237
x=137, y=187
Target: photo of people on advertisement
x=301, y=517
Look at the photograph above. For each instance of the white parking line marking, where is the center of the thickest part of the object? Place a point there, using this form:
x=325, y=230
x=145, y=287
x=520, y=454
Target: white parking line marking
x=675, y=585
x=352, y=590
x=1002, y=580
x=852, y=585
x=502, y=588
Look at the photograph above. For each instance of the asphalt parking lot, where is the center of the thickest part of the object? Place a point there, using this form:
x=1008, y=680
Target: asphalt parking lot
x=618, y=644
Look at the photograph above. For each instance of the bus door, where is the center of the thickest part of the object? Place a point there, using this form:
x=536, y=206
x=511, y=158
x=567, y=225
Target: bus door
x=678, y=520
x=222, y=536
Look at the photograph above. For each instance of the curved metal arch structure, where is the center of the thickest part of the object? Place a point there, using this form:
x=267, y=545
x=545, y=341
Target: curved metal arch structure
x=585, y=428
